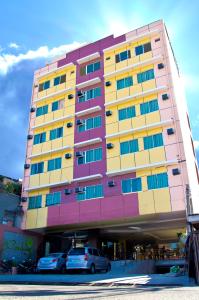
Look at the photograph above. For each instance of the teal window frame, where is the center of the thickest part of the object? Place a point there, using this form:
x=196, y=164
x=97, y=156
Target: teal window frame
x=90, y=94
x=91, y=192
x=56, y=133
x=59, y=79
x=93, y=67
x=42, y=110
x=124, y=55
x=54, y=164
x=153, y=141
x=143, y=48
x=35, y=202
x=131, y=185
x=145, y=76
x=53, y=198
x=56, y=105
x=44, y=85
x=90, y=123
x=39, y=138
x=90, y=156
x=127, y=147
x=37, y=168
x=149, y=107
x=157, y=181
x=126, y=113
x=124, y=82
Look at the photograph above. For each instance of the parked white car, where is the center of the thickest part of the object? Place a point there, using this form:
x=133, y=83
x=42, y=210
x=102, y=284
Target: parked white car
x=53, y=262
x=87, y=258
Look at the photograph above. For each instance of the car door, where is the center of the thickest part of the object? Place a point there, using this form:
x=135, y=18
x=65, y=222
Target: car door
x=96, y=258
x=63, y=259
x=102, y=260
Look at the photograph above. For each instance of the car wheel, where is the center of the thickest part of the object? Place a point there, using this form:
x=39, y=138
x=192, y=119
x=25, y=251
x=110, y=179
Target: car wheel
x=92, y=269
x=108, y=269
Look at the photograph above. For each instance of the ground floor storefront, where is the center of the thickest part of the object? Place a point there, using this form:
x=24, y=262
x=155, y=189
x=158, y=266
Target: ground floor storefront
x=153, y=238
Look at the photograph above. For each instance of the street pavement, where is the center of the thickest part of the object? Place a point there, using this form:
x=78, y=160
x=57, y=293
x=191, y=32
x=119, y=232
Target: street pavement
x=41, y=292
x=111, y=278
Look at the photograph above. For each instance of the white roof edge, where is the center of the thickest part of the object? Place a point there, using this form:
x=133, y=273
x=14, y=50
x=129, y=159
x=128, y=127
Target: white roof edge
x=87, y=111
x=141, y=63
x=39, y=187
x=53, y=121
x=53, y=94
x=88, y=82
x=115, y=102
x=50, y=151
x=95, y=176
x=153, y=32
x=88, y=142
x=129, y=170
x=88, y=58
x=55, y=70
x=125, y=132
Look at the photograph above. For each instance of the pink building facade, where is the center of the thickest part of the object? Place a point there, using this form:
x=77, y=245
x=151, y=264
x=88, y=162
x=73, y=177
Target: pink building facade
x=109, y=148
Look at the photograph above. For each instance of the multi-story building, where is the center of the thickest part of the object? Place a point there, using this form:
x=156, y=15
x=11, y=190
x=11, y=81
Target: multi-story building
x=110, y=155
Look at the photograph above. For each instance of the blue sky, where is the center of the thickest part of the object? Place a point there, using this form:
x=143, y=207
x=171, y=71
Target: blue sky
x=32, y=32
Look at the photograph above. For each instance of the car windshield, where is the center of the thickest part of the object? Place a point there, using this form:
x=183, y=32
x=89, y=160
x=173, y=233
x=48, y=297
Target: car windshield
x=77, y=251
x=53, y=255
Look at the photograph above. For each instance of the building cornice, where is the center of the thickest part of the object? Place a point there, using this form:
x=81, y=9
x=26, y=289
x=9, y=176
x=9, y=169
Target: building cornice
x=138, y=95
x=88, y=142
x=133, y=39
x=55, y=70
x=143, y=63
x=88, y=111
x=138, y=129
x=40, y=187
x=142, y=167
x=88, y=82
x=53, y=121
x=51, y=95
x=88, y=58
x=51, y=151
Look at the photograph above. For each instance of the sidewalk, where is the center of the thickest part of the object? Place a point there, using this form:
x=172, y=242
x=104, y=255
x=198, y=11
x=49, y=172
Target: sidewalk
x=109, y=279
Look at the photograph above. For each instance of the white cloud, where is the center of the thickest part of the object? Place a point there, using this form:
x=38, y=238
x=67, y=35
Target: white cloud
x=191, y=82
x=7, y=61
x=196, y=145
x=13, y=45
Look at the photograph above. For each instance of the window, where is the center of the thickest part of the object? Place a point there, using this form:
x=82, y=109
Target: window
x=53, y=199
x=142, y=48
x=39, y=138
x=44, y=86
x=90, y=94
x=122, y=56
x=90, y=156
x=60, y=79
x=148, y=107
x=43, y=110
x=126, y=113
x=37, y=168
x=153, y=141
x=90, y=123
x=58, y=105
x=131, y=185
x=34, y=202
x=124, y=83
x=129, y=147
x=91, y=192
x=56, y=133
x=92, y=67
x=54, y=164
x=144, y=76
x=157, y=181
